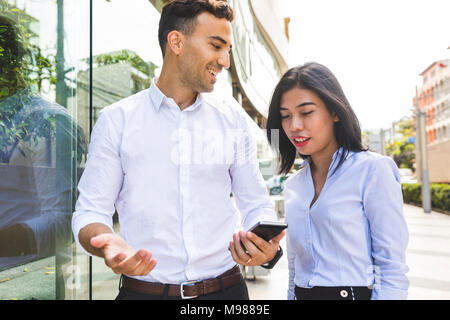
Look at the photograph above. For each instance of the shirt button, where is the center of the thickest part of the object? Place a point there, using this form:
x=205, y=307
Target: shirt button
x=344, y=293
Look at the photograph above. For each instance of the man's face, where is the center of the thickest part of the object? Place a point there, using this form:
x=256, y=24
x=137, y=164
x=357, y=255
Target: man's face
x=205, y=53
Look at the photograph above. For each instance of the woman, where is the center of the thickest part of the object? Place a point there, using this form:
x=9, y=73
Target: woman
x=347, y=235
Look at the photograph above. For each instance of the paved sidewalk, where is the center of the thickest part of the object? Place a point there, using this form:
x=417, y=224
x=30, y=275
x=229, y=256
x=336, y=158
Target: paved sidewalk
x=427, y=256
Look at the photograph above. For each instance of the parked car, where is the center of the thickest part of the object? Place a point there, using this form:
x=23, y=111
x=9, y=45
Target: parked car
x=407, y=176
x=275, y=184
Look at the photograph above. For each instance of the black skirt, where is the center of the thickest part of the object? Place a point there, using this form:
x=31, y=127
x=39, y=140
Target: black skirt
x=333, y=293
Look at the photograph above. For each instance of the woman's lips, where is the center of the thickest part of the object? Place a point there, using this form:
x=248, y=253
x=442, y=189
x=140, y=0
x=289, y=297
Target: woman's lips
x=300, y=141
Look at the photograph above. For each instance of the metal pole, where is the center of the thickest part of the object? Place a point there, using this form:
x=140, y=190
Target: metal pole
x=61, y=89
x=63, y=152
x=423, y=151
x=383, y=142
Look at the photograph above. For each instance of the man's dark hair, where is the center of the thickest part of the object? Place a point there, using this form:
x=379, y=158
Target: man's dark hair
x=181, y=15
x=319, y=79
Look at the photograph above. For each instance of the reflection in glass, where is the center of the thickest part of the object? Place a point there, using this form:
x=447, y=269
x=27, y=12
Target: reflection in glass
x=41, y=150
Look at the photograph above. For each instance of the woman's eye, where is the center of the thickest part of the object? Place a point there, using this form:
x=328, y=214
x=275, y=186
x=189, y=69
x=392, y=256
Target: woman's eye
x=284, y=117
x=306, y=113
x=215, y=46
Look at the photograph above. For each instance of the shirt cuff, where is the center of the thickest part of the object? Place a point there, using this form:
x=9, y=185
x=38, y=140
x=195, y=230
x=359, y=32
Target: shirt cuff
x=290, y=295
x=385, y=293
x=81, y=219
x=263, y=214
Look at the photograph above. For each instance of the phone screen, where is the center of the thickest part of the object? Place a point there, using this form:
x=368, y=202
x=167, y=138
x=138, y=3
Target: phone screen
x=267, y=230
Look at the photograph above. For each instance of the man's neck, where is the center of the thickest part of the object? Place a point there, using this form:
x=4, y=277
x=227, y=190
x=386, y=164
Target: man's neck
x=172, y=87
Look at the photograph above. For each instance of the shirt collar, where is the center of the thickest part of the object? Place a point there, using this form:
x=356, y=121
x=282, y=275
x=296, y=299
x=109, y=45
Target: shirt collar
x=196, y=103
x=335, y=159
x=158, y=97
x=337, y=153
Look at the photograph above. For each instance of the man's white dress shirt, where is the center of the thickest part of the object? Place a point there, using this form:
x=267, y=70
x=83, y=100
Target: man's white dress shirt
x=169, y=174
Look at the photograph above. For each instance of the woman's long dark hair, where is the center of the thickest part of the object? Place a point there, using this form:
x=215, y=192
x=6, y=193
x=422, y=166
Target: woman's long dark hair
x=319, y=79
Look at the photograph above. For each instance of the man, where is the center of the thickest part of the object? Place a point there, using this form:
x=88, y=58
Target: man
x=164, y=158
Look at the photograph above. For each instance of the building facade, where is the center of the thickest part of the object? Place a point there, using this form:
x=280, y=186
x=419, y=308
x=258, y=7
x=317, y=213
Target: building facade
x=434, y=99
x=78, y=57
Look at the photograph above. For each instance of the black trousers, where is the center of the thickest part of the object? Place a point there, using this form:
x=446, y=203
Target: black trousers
x=333, y=293
x=236, y=292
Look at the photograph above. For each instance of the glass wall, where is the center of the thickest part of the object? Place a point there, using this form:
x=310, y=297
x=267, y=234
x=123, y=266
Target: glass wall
x=42, y=149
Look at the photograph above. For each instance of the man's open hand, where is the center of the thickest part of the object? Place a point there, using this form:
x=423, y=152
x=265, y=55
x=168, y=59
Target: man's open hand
x=121, y=257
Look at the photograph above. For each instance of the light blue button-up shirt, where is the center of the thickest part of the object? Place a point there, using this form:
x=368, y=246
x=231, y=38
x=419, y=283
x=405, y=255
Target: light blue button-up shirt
x=355, y=233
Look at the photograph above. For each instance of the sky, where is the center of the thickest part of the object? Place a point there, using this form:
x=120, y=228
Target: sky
x=376, y=49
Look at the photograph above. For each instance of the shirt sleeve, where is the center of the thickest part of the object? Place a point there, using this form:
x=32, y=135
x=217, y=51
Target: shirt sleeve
x=102, y=178
x=383, y=206
x=247, y=183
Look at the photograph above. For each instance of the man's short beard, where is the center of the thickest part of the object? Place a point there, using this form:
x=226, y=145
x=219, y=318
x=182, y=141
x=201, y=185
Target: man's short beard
x=195, y=83
x=191, y=76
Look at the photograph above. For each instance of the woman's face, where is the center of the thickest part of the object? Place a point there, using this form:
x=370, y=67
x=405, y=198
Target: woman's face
x=307, y=122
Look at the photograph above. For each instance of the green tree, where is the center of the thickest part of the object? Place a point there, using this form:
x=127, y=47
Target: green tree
x=402, y=150
x=23, y=68
x=147, y=68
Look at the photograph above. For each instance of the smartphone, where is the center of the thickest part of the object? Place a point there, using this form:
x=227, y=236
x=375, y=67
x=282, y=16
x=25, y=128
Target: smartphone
x=267, y=230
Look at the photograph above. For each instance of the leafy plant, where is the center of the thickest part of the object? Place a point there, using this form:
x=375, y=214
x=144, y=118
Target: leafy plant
x=440, y=195
x=148, y=68
x=22, y=67
x=16, y=124
x=402, y=150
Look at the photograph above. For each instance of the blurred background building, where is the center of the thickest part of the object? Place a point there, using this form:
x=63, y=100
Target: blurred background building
x=116, y=75
x=434, y=98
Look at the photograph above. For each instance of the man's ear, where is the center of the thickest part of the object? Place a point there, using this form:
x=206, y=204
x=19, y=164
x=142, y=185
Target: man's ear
x=175, y=42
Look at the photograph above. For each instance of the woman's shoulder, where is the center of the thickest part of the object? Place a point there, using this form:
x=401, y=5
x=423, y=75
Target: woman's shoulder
x=373, y=163
x=373, y=158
